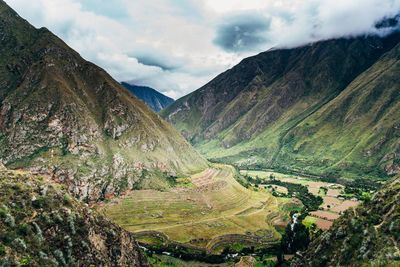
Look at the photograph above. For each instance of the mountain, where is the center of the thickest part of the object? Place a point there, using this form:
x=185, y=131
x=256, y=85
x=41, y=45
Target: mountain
x=154, y=99
x=65, y=117
x=365, y=236
x=328, y=108
x=42, y=225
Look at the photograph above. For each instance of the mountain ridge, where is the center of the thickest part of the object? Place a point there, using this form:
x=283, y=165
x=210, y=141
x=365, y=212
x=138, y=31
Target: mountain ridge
x=242, y=115
x=154, y=99
x=64, y=116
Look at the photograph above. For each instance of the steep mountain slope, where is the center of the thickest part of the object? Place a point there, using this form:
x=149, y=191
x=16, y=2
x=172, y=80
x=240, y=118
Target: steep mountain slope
x=248, y=115
x=41, y=225
x=358, y=131
x=366, y=236
x=154, y=99
x=66, y=117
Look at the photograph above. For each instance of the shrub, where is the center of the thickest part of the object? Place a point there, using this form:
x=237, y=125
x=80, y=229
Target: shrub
x=19, y=243
x=3, y=213
x=60, y=257
x=25, y=261
x=23, y=229
x=67, y=199
x=2, y=250
x=9, y=220
x=40, y=202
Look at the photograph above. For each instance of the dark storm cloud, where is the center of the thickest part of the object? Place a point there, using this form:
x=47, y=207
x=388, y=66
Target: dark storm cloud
x=389, y=23
x=155, y=62
x=241, y=33
x=159, y=60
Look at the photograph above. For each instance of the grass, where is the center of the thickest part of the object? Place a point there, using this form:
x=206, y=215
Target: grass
x=308, y=221
x=168, y=261
x=203, y=214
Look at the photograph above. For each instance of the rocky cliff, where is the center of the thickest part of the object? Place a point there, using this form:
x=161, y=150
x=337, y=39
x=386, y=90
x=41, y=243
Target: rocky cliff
x=42, y=225
x=67, y=118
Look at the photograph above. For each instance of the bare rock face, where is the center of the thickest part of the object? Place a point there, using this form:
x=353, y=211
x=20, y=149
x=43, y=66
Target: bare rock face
x=42, y=225
x=65, y=117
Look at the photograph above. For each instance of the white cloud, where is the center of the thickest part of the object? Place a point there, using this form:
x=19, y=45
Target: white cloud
x=226, y=6
x=170, y=44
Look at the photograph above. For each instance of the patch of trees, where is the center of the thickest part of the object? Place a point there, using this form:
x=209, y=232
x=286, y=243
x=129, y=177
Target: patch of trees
x=360, y=189
x=323, y=190
x=310, y=201
x=363, y=184
x=295, y=239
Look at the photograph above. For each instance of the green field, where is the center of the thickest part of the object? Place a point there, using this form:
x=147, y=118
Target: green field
x=210, y=210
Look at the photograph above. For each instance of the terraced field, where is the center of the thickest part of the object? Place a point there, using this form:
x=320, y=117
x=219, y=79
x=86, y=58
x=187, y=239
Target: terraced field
x=210, y=212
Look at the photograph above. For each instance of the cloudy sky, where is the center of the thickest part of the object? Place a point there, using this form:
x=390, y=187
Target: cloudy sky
x=176, y=46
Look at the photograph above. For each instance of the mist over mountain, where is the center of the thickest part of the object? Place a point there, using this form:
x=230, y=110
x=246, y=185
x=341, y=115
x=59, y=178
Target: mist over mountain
x=177, y=46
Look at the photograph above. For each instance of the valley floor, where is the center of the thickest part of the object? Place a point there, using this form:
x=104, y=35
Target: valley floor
x=212, y=213
x=209, y=211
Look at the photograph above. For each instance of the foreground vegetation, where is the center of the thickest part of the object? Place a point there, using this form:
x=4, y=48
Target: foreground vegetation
x=42, y=225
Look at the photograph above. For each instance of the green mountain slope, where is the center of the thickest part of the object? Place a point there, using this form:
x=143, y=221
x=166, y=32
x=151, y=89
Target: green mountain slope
x=66, y=117
x=358, y=131
x=366, y=236
x=252, y=114
x=41, y=225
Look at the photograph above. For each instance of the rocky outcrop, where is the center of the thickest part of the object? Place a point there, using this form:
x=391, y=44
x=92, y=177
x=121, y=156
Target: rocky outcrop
x=42, y=225
x=67, y=118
